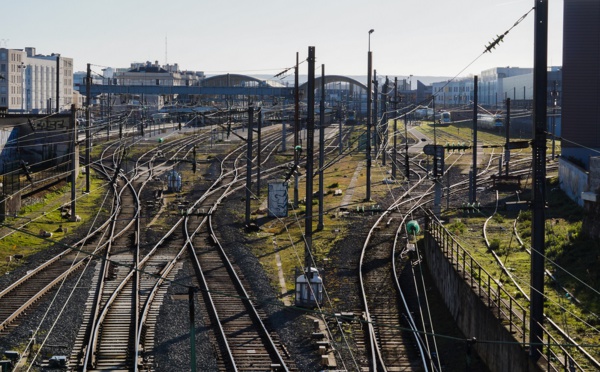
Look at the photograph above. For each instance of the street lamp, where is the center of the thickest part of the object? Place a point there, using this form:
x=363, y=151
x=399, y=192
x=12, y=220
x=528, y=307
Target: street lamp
x=370, y=32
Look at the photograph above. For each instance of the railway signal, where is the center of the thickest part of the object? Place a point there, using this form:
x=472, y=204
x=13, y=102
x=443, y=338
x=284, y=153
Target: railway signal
x=438, y=158
x=438, y=165
x=27, y=169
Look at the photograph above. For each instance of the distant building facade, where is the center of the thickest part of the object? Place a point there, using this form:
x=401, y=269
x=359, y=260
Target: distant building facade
x=28, y=82
x=453, y=93
x=491, y=84
x=155, y=74
x=490, y=88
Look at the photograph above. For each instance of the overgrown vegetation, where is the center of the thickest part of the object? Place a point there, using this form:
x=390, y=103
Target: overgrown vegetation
x=23, y=234
x=571, y=256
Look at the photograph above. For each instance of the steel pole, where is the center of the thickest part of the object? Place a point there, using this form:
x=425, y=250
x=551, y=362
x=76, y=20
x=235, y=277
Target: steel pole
x=88, y=102
x=258, y=160
x=74, y=156
x=249, y=164
x=395, y=126
x=540, y=85
x=406, y=146
x=191, y=291
x=473, y=197
x=384, y=124
x=375, y=116
x=296, y=129
x=57, y=83
x=368, y=140
x=310, y=138
x=507, y=149
x=321, y=147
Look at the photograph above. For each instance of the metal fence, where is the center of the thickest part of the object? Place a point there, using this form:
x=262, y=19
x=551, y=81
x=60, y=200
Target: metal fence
x=505, y=307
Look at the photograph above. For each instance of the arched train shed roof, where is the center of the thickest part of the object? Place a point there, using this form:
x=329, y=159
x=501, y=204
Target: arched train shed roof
x=334, y=79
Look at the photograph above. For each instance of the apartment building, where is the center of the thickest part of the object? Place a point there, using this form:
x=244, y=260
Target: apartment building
x=35, y=83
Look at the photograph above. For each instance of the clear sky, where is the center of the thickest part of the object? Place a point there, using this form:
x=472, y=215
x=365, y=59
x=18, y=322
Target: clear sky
x=412, y=37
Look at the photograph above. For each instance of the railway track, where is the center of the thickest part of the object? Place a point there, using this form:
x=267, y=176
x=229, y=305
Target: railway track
x=119, y=322
x=396, y=337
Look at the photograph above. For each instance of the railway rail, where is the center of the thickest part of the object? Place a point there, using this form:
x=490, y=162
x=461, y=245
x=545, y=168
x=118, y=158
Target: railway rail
x=132, y=278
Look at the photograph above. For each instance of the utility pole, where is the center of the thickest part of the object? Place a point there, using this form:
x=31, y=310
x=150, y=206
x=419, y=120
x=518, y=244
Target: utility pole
x=283, y=132
x=57, y=83
x=384, y=99
x=369, y=118
x=249, y=163
x=321, y=147
x=74, y=156
x=109, y=118
x=406, y=145
x=435, y=159
x=341, y=145
x=395, y=126
x=191, y=291
x=310, y=138
x=88, y=102
x=296, y=129
x=260, y=118
x=506, y=148
x=540, y=85
x=473, y=197
x=375, y=122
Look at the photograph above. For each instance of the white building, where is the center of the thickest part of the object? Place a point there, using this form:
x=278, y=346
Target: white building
x=453, y=93
x=28, y=82
x=490, y=88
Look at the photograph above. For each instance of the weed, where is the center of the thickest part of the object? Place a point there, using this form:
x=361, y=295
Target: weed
x=457, y=227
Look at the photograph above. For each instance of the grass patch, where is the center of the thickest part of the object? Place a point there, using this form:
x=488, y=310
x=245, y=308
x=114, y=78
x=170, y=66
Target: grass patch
x=29, y=240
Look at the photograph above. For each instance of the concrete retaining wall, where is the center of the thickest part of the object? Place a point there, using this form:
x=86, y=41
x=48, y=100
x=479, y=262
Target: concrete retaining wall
x=573, y=180
x=473, y=316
